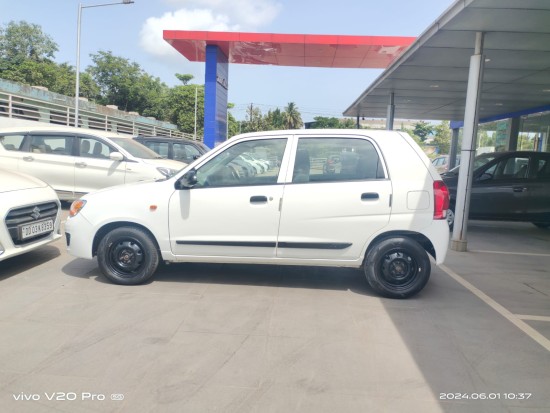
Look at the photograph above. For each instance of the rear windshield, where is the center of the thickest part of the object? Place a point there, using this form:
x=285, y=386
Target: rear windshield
x=479, y=161
x=136, y=149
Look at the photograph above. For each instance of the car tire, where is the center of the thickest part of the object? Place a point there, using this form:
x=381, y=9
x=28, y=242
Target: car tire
x=451, y=216
x=127, y=256
x=397, y=267
x=541, y=225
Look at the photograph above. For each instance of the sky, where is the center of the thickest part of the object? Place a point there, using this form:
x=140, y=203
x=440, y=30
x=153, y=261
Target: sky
x=134, y=32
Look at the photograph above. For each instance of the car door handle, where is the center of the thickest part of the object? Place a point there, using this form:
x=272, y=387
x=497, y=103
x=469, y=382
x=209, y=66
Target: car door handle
x=369, y=196
x=519, y=189
x=258, y=199
x=81, y=164
x=28, y=158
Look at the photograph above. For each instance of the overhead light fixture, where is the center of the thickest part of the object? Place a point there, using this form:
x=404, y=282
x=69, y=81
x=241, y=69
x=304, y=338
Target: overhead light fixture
x=546, y=90
x=434, y=86
x=498, y=104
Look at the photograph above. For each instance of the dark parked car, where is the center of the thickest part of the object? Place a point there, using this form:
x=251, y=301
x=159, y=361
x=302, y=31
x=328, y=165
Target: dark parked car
x=507, y=186
x=179, y=149
x=441, y=163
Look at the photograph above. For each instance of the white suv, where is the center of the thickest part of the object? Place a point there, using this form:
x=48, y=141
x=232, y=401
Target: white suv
x=382, y=209
x=30, y=214
x=75, y=161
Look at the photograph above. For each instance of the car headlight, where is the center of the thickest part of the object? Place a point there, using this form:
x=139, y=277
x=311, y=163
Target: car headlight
x=76, y=207
x=167, y=172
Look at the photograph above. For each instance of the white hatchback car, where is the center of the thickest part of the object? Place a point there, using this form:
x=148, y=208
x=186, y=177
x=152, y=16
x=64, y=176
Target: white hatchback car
x=383, y=210
x=30, y=213
x=75, y=161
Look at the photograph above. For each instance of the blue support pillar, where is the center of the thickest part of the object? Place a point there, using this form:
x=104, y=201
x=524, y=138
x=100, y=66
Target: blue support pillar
x=215, y=96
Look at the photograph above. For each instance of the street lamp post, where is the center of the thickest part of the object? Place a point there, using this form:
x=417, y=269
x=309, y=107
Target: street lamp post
x=77, y=87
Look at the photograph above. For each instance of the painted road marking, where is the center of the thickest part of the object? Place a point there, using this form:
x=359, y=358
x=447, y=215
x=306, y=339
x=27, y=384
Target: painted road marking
x=532, y=317
x=514, y=319
x=529, y=254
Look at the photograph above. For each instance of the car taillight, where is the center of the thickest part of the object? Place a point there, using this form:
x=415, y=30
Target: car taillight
x=441, y=200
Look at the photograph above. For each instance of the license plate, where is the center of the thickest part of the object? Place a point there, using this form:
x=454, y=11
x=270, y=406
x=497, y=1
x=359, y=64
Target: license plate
x=36, y=228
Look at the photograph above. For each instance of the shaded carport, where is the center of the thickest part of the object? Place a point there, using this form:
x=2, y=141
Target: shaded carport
x=480, y=60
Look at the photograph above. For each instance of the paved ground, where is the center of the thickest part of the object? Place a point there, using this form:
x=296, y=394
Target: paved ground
x=228, y=338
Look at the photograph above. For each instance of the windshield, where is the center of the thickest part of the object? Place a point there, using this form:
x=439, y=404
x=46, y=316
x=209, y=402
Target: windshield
x=479, y=161
x=136, y=149
x=202, y=146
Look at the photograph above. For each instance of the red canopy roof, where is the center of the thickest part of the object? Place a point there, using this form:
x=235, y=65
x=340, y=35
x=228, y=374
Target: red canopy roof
x=308, y=50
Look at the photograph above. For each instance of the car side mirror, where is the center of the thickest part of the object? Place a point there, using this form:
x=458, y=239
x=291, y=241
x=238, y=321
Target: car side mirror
x=187, y=181
x=116, y=156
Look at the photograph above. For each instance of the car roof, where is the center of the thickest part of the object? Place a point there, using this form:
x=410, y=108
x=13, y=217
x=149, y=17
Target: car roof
x=323, y=132
x=505, y=153
x=166, y=138
x=64, y=129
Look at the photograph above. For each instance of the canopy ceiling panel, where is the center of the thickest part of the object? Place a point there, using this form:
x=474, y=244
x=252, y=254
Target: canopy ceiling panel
x=431, y=72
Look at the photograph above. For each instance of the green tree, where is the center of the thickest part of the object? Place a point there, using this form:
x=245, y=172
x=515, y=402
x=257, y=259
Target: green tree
x=422, y=130
x=117, y=79
x=185, y=79
x=232, y=123
x=149, y=97
x=322, y=122
x=274, y=120
x=442, y=137
x=180, y=104
x=347, y=124
x=412, y=135
x=20, y=41
x=254, y=120
x=291, y=117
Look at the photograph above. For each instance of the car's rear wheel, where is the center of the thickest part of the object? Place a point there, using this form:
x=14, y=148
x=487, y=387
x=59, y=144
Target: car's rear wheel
x=451, y=216
x=397, y=267
x=542, y=225
x=127, y=256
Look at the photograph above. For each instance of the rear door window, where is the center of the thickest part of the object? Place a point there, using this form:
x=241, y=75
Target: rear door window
x=185, y=152
x=12, y=142
x=162, y=148
x=52, y=144
x=514, y=167
x=336, y=159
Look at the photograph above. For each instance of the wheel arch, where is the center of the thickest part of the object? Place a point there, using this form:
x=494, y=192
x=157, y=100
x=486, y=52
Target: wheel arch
x=105, y=229
x=423, y=240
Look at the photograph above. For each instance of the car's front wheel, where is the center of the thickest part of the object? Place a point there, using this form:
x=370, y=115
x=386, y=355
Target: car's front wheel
x=542, y=225
x=128, y=256
x=397, y=267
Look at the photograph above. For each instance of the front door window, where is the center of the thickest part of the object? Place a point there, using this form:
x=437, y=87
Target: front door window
x=245, y=164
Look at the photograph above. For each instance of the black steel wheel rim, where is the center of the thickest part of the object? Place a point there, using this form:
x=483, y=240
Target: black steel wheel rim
x=399, y=269
x=450, y=217
x=126, y=257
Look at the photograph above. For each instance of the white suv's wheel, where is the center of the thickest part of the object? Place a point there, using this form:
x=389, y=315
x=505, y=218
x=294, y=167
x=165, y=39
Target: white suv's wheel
x=127, y=256
x=397, y=267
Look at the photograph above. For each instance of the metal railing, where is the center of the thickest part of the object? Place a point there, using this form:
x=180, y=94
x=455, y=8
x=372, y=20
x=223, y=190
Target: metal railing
x=27, y=108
